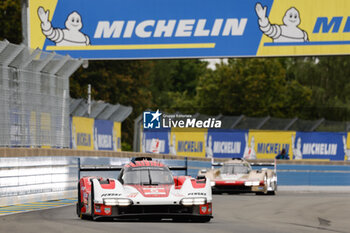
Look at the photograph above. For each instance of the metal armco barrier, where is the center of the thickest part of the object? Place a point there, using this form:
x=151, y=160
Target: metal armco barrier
x=23, y=179
x=28, y=175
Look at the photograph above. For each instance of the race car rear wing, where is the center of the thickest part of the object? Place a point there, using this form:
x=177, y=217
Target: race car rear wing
x=118, y=168
x=90, y=168
x=262, y=164
x=253, y=164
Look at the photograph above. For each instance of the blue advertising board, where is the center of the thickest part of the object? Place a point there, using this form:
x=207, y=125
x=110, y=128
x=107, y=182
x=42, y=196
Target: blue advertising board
x=319, y=145
x=103, y=135
x=138, y=29
x=226, y=143
x=155, y=139
x=146, y=29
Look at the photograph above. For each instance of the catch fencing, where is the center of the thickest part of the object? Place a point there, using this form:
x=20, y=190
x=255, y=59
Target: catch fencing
x=34, y=97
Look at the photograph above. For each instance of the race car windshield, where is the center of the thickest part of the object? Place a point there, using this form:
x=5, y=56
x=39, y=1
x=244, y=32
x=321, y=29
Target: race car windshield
x=235, y=169
x=148, y=176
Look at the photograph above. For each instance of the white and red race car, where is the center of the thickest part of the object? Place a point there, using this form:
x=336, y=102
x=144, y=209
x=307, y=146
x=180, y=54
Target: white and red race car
x=237, y=176
x=145, y=189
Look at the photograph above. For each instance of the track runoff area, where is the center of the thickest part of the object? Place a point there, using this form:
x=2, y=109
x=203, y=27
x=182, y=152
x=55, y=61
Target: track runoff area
x=285, y=212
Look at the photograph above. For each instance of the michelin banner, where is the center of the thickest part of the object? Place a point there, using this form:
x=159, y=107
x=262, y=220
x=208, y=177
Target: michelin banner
x=267, y=144
x=346, y=144
x=93, y=134
x=103, y=135
x=136, y=29
x=82, y=133
x=320, y=145
x=225, y=143
x=195, y=142
x=117, y=136
x=45, y=128
x=156, y=141
x=253, y=144
x=188, y=142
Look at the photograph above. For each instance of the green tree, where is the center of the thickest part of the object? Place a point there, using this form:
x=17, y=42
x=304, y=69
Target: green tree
x=174, y=83
x=10, y=18
x=254, y=87
x=328, y=78
x=124, y=82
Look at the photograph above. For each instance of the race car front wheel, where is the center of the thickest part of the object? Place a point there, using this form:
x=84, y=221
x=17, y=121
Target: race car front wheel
x=92, y=203
x=79, y=202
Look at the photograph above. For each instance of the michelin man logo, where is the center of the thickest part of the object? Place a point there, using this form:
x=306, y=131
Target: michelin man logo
x=288, y=32
x=249, y=152
x=346, y=150
x=172, y=144
x=70, y=36
x=297, y=148
x=208, y=146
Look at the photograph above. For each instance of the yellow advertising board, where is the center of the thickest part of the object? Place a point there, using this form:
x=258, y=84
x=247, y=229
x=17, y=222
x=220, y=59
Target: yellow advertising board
x=187, y=142
x=347, y=147
x=32, y=129
x=36, y=37
x=268, y=144
x=302, y=27
x=117, y=136
x=45, y=128
x=82, y=133
x=133, y=30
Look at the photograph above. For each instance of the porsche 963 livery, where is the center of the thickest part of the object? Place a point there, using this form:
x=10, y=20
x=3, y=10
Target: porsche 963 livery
x=145, y=189
x=237, y=176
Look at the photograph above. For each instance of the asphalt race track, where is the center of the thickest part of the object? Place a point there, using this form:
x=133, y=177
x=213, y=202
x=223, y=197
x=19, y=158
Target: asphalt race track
x=285, y=212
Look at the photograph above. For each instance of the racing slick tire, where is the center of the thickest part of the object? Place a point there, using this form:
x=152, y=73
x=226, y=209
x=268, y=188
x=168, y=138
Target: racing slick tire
x=274, y=186
x=78, y=205
x=265, y=192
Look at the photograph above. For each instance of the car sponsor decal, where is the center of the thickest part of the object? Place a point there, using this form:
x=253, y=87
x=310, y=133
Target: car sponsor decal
x=132, y=195
x=153, y=191
x=107, y=210
x=111, y=194
x=197, y=194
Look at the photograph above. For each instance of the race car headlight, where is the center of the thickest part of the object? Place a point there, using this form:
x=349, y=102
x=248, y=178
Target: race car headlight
x=117, y=201
x=194, y=201
x=124, y=202
x=251, y=183
x=110, y=201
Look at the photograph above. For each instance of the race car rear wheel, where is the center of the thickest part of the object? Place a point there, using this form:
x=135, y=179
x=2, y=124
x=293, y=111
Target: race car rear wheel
x=264, y=192
x=266, y=185
x=274, y=187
